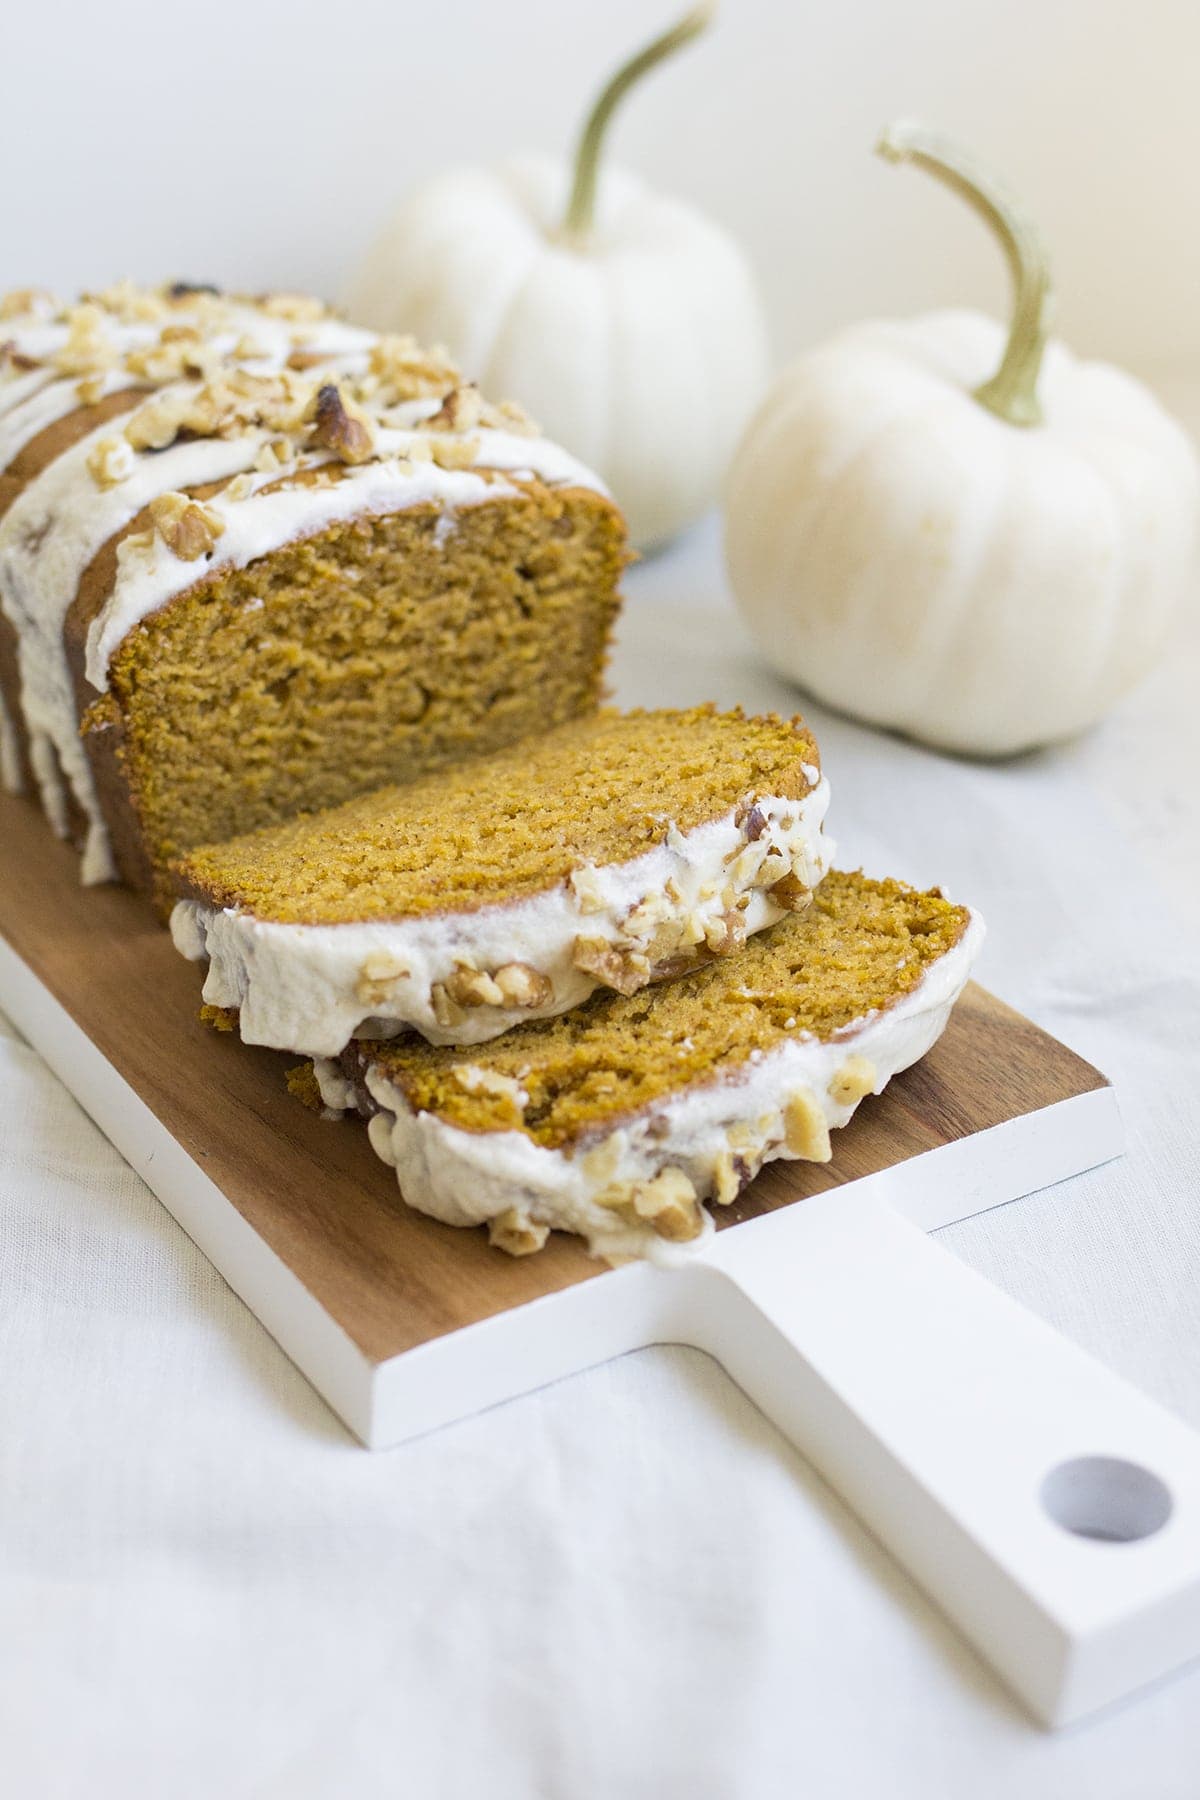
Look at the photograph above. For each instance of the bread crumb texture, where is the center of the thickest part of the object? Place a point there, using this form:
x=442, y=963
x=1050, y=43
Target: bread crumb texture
x=860, y=947
x=303, y=1086
x=598, y=791
x=375, y=652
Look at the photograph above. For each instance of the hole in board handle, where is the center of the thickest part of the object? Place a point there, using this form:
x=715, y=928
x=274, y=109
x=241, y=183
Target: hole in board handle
x=1107, y=1499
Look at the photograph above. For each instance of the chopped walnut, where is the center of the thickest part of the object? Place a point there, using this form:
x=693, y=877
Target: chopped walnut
x=128, y=302
x=418, y=450
x=853, y=1080
x=806, y=1132
x=515, y=1232
x=19, y=301
x=515, y=984
x=726, y=1183
x=277, y=453
x=726, y=932
x=227, y=405
x=298, y=307
x=224, y=407
x=454, y=452
x=154, y=425
x=111, y=461
x=693, y=930
x=624, y=970
x=523, y=986
x=378, y=974
x=751, y=1135
x=161, y=362
x=446, y=1011
x=643, y=920
x=656, y=929
x=460, y=410
x=88, y=348
x=746, y=865
x=774, y=867
x=473, y=987
x=340, y=426
x=600, y=1163
x=669, y=1203
x=476, y=1080
x=399, y=370
x=584, y=884
x=187, y=527
x=791, y=892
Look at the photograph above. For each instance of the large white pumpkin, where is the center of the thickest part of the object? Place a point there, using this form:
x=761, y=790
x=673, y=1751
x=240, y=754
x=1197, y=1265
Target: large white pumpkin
x=984, y=564
x=625, y=321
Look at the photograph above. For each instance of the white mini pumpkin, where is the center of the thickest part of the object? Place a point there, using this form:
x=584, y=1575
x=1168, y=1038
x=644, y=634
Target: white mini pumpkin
x=965, y=534
x=626, y=322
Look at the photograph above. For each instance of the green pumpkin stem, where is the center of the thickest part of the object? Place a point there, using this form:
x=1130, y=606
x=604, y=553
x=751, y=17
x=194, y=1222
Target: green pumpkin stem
x=1011, y=393
x=577, y=222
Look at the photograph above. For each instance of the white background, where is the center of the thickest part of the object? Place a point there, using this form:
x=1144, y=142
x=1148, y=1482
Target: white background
x=253, y=144
x=627, y=1588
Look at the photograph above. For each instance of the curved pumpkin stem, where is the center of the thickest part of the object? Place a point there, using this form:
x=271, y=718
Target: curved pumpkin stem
x=1011, y=393
x=581, y=207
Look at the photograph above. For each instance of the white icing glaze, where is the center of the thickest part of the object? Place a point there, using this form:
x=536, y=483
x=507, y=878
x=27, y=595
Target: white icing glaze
x=297, y=986
x=62, y=518
x=467, y=1178
x=28, y=404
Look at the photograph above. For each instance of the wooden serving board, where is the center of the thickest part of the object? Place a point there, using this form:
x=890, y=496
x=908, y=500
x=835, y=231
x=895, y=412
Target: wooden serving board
x=388, y=1280
x=991, y=1456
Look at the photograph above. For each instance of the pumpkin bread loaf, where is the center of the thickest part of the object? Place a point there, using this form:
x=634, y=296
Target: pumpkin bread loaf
x=620, y=1121
x=615, y=851
x=270, y=562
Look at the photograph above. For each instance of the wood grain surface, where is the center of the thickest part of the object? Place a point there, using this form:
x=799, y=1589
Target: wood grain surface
x=316, y=1193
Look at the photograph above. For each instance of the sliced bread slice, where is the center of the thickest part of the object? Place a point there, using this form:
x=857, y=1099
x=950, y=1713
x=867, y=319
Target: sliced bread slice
x=612, y=852
x=621, y=1121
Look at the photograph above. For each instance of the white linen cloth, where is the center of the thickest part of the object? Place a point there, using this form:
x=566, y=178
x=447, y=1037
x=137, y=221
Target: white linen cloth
x=628, y=1586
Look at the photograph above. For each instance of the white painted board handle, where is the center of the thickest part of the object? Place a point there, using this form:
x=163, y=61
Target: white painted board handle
x=1049, y=1508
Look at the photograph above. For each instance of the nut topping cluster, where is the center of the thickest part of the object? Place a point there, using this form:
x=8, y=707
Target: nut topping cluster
x=662, y=935
x=308, y=399
x=670, y=1199
x=667, y=1202
x=514, y=986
